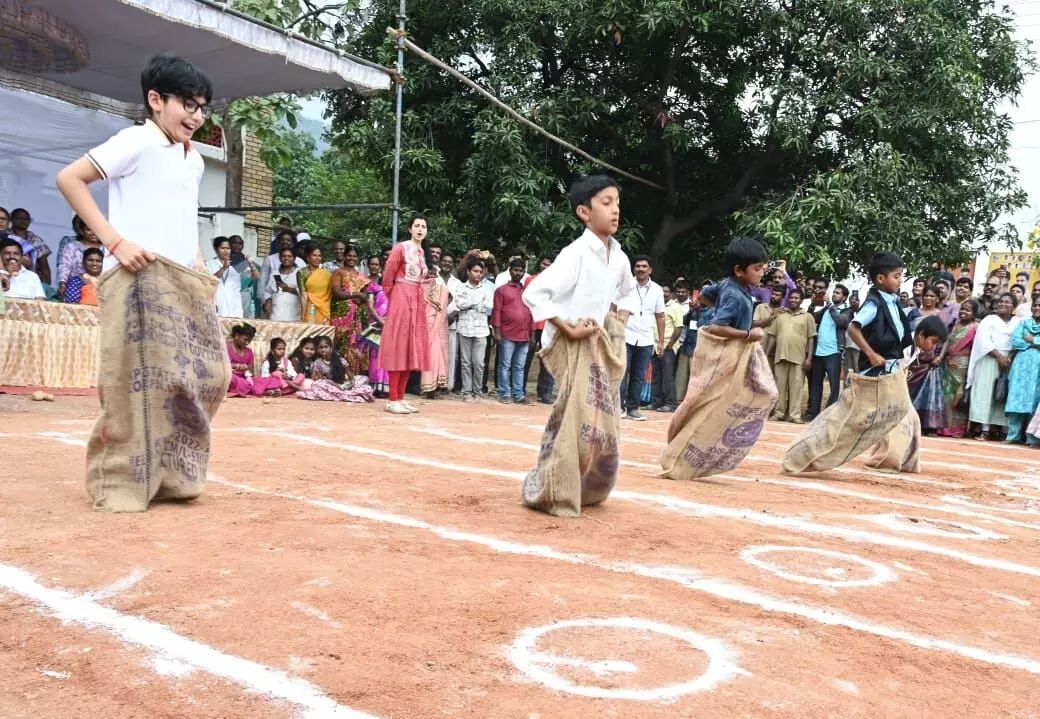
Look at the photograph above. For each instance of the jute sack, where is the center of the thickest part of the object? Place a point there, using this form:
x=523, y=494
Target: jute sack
x=163, y=373
x=900, y=450
x=578, y=460
x=729, y=398
x=865, y=413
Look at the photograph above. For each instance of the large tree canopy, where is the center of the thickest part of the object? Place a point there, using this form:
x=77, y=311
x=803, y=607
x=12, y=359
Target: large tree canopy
x=830, y=128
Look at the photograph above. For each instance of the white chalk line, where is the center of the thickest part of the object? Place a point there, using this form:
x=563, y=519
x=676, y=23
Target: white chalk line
x=791, y=483
x=119, y=586
x=914, y=525
x=172, y=647
x=686, y=507
x=1014, y=600
x=880, y=573
x=316, y=613
x=689, y=578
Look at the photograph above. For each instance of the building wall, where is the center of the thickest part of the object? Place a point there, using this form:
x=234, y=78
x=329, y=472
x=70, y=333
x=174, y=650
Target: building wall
x=257, y=190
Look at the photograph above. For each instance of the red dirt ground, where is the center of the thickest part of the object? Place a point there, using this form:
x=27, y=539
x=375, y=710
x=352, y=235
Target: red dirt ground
x=388, y=563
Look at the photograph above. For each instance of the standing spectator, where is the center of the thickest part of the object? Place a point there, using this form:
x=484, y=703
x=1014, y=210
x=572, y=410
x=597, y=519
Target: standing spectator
x=545, y=382
x=5, y=220
x=513, y=325
x=350, y=311
x=775, y=275
x=831, y=323
x=473, y=301
x=904, y=300
x=490, y=272
x=918, y=290
x=405, y=345
x=850, y=355
x=962, y=292
x=665, y=363
x=990, y=290
x=1024, y=308
x=451, y=283
x=22, y=283
x=791, y=337
x=1024, y=377
x=929, y=307
x=639, y=336
x=378, y=307
x=990, y=356
x=250, y=276
x=504, y=277
x=339, y=253
x=315, y=285
x=34, y=250
x=283, y=292
x=229, y=284
x=949, y=310
x=701, y=312
x=765, y=313
x=81, y=288
x=435, y=293
x=956, y=358
x=286, y=240
x=70, y=258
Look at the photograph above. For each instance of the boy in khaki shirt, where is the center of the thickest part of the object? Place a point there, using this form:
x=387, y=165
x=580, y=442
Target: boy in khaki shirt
x=790, y=339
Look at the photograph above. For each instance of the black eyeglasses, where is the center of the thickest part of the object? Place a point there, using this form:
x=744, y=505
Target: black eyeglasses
x=191, y=106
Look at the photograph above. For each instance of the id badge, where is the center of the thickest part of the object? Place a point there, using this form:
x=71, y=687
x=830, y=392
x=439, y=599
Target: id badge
x=693, y=324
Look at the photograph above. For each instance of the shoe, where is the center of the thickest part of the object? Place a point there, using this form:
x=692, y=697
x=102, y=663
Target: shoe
x=545, y=400
x=667, y=408
x=776, y=417
x=409, y=408
x=635, y=415
x=796, y=420
x=503, y=400
x=468, y=399
x=523, y=401
x=396, y=408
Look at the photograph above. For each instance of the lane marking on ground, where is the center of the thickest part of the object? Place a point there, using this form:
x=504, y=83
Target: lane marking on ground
x=962, y=501
x=172, y=647
x=1008, y=597
x=119, y=586
x=538, y=665
x=931, y=527
x=879, y=573
x=688, y=577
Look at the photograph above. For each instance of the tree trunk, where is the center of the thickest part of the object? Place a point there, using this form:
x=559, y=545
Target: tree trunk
x=663, y=239
x=235, y=157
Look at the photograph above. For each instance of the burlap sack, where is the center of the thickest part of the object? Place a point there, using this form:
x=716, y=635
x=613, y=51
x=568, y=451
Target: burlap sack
x=579, y=457
x=163, y=373
x=900, y=450
x=728, y=400
x=865, y=413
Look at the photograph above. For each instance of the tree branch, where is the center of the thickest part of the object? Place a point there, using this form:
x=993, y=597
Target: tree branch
x=313, y=12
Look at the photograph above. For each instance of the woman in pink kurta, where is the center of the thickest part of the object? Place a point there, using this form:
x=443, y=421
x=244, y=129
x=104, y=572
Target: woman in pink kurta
x=405, y=346
x=241, y=358
x=436, y=295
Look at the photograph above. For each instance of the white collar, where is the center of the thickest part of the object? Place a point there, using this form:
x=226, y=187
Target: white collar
x=596, y=243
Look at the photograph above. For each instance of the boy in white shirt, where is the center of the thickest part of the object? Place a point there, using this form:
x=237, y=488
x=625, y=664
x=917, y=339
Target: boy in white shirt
x=166, y=369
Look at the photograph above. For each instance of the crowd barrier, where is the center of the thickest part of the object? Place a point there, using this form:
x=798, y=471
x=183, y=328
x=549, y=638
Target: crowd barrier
x=50, y=344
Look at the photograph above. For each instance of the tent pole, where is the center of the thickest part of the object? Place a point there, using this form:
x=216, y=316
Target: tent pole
x=395, y=215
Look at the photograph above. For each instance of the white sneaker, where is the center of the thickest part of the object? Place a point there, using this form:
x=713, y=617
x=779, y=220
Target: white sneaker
x=409, y=407
x=396, y=408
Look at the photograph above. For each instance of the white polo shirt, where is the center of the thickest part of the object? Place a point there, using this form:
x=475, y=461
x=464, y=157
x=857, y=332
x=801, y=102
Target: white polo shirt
x=26, y=285
x=647, y=301
x=153, y=191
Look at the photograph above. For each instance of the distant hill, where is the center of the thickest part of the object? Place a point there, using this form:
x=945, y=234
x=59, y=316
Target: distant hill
x=314, y=128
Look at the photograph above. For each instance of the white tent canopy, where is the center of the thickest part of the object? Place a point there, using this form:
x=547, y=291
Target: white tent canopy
x=241, y=57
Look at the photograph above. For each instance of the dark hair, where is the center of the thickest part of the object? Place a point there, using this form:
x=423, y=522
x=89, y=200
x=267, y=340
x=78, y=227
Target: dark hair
x=375, y=257
x=930, y=288
x=168, y=74
x=232, y=238
x=16, y=210
x=8, y=242
x=641, y=258
x=922, y=280
x=272, y=363
x=474, y=262
x=965, y=281
x=543, y=257
x=1002, y=295
x=782, y=289
x=243, y=328
x=518, y=262
x=882, y=263
x=795, y=291
x=4, y=210
x=682, y=285
x=219, y=240
x=91, y=251
x=426, y=240
x=976, y=307
x=447, y=255
x=306, y=248
x=1021, y=287
x=337, y=368
x=297, y=358
x=844, y=290
x=290, y=250
x=1019, y=274
x=824, y=280
x=278, y=240
x=284, y=219
x=666, y=285
x=743, y=252
x=585, y=188
x=932, y=326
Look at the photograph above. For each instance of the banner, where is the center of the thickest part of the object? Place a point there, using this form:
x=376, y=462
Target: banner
x=1019, y=267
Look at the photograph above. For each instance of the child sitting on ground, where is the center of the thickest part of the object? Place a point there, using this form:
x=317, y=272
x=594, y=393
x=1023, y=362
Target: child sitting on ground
x=277, y=374
x=332, y=379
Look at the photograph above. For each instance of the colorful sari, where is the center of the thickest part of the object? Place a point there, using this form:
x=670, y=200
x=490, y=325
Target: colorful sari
x=958, y=354
x=378, y=377
x=436, y=296
x=317, y=286
x=350, y=317
x=925, y=383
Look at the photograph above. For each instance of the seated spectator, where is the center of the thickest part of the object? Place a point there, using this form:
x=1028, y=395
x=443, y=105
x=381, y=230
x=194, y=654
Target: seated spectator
x=277, y=374
x=332, y=380
x=82, y=288
x=241, y=358
x=22, y=283
x=34, y=250
x=229, y=284
x=302, y=359
x=70, y=255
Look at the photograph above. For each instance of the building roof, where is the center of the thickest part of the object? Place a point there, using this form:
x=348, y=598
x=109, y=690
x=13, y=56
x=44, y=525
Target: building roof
x=241, y=56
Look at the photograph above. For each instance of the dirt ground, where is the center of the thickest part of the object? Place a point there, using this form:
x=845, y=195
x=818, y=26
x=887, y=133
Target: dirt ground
x=349, y=563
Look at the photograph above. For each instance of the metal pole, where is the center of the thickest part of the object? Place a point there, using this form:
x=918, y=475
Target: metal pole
x=395, y=214
x=299, y=208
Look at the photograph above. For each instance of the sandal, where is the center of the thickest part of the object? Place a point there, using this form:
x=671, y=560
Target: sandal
x=983, y=437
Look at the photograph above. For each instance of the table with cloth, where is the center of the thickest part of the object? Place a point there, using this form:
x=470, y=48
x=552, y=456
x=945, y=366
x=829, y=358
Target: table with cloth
x=50, y=344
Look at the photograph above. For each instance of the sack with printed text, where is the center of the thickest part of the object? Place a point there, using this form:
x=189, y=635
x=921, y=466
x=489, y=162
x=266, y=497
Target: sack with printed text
x=164, y=371
x=865, y=413
x=579, y=457
x=729, y=397
x=900, y=450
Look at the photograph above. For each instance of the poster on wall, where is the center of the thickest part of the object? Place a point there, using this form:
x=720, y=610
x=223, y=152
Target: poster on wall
x=1019, y=269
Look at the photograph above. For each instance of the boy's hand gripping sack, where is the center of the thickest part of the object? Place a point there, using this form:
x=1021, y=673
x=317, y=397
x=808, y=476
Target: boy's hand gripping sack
x=730, y=396
x=164, y=371
x=579, y=458
x=864, y=415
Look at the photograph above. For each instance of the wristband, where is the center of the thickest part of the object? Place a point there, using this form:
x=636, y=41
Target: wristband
x=115, y=244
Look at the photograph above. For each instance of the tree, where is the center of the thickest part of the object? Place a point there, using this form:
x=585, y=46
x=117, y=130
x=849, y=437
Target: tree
x=830, y=128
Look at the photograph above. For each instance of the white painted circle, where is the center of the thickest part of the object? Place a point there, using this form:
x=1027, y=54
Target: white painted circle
x=927, y=525
x=536, y=665
x=880, y=573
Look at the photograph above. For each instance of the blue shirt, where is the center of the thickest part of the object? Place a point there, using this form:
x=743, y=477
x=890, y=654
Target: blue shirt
x=702, y=316
x=868, y=312
x=734, y=307
x=827, y=336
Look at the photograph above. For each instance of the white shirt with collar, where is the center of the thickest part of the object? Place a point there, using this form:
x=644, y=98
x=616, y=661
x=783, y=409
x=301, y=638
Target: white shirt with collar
x=26, y=285
x=648, y=302
x=153, y=191
x=229, y=291
x=583, y=282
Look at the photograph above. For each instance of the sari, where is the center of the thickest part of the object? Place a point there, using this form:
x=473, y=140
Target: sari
x=436, y=295
x=317, y=286
x=925, y=384
x=958, y=354
x=378, y=377
x=350, y=317
x=1023, y=379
